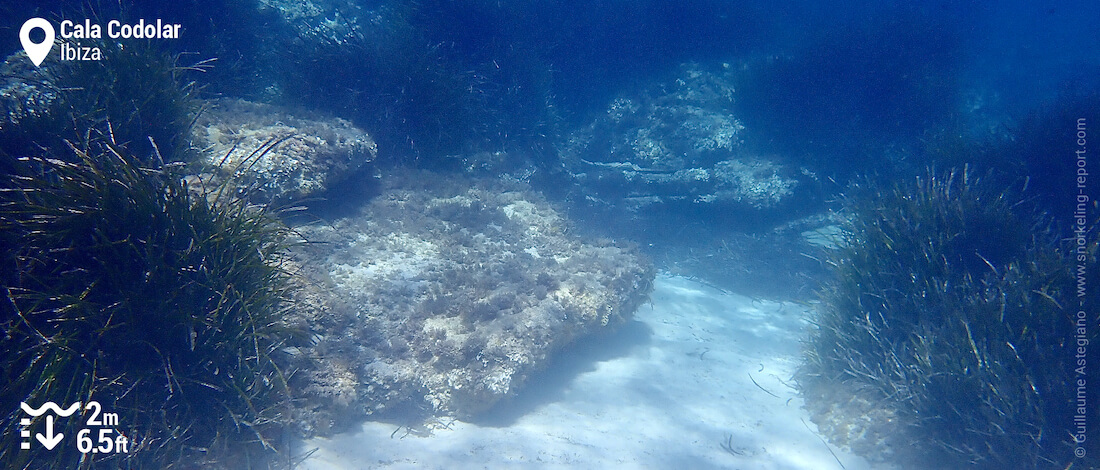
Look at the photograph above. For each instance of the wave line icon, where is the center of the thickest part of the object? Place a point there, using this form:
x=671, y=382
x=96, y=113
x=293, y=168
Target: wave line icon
x=49, y=406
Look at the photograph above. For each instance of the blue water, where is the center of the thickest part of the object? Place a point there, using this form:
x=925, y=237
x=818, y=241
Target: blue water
x=604, y=106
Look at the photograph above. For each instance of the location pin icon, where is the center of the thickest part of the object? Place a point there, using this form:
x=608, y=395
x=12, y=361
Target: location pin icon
x=37, y=52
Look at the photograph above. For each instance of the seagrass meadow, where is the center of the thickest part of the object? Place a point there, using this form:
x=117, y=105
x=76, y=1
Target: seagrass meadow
x=123, y=287
x=949, y=314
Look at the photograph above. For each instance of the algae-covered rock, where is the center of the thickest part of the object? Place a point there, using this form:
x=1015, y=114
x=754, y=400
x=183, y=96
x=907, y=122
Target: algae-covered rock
x=277, y=155
x=443, y=298
x=675, y=144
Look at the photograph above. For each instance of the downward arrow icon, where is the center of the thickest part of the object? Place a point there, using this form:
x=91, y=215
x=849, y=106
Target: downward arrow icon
x=49, y=441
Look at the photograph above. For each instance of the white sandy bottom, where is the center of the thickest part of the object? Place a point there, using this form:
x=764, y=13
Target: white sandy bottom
x=670, y=390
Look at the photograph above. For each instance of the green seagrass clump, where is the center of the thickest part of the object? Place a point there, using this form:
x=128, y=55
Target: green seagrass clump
x=140, y=97
x=951, y=314
x=121, y=285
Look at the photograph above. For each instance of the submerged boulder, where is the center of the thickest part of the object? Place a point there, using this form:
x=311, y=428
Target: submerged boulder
x=442, y=297
x=675, y=144
x=275, y=155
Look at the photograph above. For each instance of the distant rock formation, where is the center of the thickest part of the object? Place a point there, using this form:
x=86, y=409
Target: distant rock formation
x=675, y=144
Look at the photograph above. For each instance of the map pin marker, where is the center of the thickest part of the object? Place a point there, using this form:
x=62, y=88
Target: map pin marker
x=37, y=52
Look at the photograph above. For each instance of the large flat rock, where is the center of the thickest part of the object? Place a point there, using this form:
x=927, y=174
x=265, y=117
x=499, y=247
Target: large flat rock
x=441, y=297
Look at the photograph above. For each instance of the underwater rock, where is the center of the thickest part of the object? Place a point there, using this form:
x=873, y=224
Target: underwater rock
x=320, y=21
x=675, y=144
x=443, y=296
x=278, y=156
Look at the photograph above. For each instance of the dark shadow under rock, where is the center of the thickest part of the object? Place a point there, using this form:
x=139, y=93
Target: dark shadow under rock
x=553, y=383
